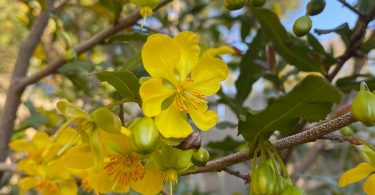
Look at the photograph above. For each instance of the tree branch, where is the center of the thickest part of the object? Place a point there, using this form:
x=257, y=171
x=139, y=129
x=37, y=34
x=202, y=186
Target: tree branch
x=4, y=167
x=357, y=36
x=309, y=135
x=15, y=90
x=19, y=82
x=353, y=9
x=245, y=178
x=87, y=45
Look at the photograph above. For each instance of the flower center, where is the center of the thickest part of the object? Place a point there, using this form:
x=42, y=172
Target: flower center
x=125, y=168
x=186, y=96
x=170, y=176
x=46, y=186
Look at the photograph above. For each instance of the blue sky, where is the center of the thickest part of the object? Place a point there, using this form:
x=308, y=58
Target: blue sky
x=333, y=15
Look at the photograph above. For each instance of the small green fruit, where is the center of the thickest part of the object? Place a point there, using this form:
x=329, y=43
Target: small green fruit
x=302, y=26
x=315, y=7
x=200, y=157
x=234, y=4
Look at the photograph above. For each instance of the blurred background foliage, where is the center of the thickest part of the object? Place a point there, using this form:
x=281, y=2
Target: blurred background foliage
x=78, y=20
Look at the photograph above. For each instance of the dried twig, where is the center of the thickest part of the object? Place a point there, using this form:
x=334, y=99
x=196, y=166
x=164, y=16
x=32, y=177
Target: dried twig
x=245, y=178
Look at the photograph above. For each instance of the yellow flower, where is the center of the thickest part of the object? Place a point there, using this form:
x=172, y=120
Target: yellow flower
x=49, y=178
x=122, y=171
x=180, y=81
x=90, y=126
x=358, y=173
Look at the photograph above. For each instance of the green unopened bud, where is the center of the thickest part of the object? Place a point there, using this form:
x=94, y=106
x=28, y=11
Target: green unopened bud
x=302, y=26
x=145, y=136
x=363, y=107
x=200, y=157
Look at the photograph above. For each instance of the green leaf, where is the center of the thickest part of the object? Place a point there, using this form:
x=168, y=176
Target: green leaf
x=293, y=50
x=316, y=46
x=79, y=83
x=347, y=84
x=125, y=82
x=228, y=144
x=249, y=70
x=312, y=100
x=225, y=124
x=343, y=30
x=133, y=62
x=369, y=44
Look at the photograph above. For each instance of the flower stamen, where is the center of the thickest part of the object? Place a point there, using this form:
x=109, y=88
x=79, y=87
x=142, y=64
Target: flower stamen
x=192, y=97
x=124, y=168
x=46, y=186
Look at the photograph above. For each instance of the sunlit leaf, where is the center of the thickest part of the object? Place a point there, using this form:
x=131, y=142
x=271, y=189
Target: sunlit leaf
x=312, y=100
x=125, y=82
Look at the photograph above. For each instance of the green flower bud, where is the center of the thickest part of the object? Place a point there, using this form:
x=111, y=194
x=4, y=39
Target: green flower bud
x=315, y=7
x=363, y=106
x=200, y=157
x=145, y=136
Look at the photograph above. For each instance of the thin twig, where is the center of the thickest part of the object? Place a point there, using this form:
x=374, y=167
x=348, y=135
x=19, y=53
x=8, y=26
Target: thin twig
x=6, y=167
x=309, y=135
x=245, y=178
x=356, y=37
x=87, y=45
x=341, y=138
x=353, y=9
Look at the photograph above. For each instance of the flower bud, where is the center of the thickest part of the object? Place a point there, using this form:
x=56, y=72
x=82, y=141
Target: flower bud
x=363, y=106
x=293, y=190
x=200, y=157
x=145, y=136
x=264, y=179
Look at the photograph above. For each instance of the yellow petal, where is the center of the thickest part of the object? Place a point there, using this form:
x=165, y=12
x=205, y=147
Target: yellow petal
x=207, y=75
x=369, y=185
x=102, y=183
x=120, y=141
x=28, y=166
x=21, y=145
x=153, y=93
x=56, y=170
x=203, y=119
x=151, y=183
x=172, y=123
x=188, y=43
x=67, y=187
x=160, y=54
x=66, y=135
x=222, y=50
x=356, y=174
x=27, y=183
x=40, y=139
x=78, y=157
